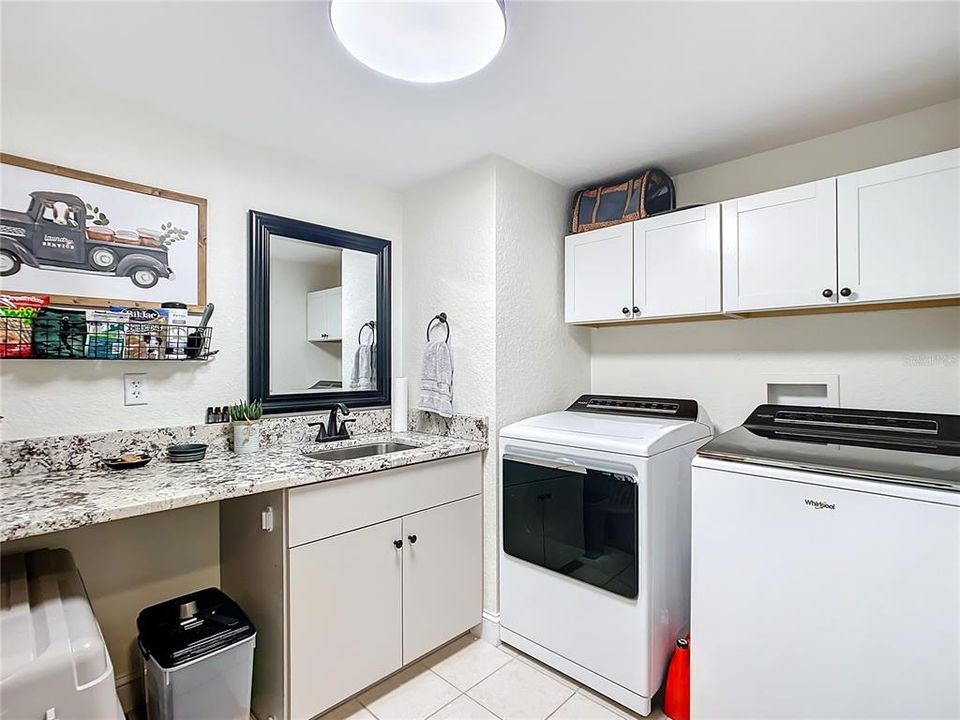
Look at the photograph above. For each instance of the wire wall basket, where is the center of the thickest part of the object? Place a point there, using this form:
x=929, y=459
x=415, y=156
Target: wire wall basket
x=69, y=336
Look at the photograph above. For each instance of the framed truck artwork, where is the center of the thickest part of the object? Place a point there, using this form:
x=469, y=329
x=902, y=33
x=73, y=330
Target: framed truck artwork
x=90, y=240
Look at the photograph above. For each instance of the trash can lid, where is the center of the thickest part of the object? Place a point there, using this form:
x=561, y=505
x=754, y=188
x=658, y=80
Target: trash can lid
x=191, y=626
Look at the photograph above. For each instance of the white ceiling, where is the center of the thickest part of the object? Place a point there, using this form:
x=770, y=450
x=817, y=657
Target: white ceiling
x=581, y=90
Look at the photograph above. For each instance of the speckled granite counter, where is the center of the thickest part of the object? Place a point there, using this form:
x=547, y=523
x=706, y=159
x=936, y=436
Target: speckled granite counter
x=35, y=504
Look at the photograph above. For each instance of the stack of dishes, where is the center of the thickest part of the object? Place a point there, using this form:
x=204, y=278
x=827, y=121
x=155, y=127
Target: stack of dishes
x=186, y=453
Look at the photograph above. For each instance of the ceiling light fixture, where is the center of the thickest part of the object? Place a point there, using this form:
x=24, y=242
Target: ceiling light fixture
x=421, y=41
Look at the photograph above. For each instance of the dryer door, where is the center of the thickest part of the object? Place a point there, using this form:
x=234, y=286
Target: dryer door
x=575, y=520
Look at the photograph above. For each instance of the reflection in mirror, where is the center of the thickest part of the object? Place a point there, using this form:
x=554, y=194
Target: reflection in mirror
x=323, y=308
x=319, y=316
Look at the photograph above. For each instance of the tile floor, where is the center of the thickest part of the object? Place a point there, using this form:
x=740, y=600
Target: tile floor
x=471, y=679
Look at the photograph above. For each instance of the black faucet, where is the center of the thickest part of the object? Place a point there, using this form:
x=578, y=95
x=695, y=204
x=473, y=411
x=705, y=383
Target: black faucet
x=334, y=430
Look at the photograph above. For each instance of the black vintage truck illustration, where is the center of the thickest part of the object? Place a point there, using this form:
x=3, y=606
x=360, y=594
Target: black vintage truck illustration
x=53, y=232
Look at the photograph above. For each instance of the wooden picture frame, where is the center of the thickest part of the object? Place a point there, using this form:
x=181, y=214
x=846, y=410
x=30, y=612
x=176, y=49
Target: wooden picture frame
x=11, y=235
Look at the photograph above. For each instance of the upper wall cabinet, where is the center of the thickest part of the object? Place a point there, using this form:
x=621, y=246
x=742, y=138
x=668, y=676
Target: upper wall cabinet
x=598, y=275
x=325, y=315
x=676, y=263
x=898, y=230
x=780, y=248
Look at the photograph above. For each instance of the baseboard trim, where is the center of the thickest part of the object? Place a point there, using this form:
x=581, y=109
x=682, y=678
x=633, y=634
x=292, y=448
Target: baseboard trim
x=489, y=627
x=129, y=690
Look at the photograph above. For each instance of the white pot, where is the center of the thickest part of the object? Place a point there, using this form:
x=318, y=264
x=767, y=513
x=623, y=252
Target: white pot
x=246, y=437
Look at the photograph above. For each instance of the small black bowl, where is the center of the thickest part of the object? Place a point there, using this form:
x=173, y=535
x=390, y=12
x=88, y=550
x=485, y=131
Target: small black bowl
x=118, y=464
x=190, y=452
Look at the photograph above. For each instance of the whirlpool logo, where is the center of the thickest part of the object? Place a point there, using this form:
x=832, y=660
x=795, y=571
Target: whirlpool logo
x=819, y=504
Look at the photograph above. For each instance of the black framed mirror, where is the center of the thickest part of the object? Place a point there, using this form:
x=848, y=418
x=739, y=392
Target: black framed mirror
x=319, y=316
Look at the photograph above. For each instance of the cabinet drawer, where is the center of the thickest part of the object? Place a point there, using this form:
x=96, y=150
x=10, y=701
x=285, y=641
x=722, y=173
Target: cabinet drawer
x=325, y=509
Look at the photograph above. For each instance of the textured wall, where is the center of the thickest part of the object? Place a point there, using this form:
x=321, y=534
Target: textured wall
x=921, y=132
x=359, y=271
x=542, y=364
x=295, y=362
x=130, y=564
x=43, y=398
x=450, y=266
x=484, y=244
x=905, y=359
x=899, y=359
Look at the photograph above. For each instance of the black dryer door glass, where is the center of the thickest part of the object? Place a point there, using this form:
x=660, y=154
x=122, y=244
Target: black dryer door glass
x=578, y=522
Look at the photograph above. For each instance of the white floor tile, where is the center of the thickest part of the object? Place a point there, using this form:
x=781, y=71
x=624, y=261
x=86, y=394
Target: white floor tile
x=412, y=694
x=463, y=708
x=579, y=707
x=466, y=661
x=615, y=707
x=555, y=674
x=519, y=692
x=352, y=710
x=508, y=650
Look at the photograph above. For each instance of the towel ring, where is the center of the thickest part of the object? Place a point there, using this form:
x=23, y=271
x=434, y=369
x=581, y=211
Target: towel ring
x=442, y=318
x=373, y=328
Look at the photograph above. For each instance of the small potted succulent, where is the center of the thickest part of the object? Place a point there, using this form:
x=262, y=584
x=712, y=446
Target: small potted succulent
x=246, y=426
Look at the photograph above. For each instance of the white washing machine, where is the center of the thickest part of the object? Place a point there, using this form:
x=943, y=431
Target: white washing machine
x=826, y=567
x=595, y=539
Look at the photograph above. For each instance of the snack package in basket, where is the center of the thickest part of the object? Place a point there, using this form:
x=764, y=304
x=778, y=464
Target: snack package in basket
x=17, y=313
x=143, y=337
x=106, y=332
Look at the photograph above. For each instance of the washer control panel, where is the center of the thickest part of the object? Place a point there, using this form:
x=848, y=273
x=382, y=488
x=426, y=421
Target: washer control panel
x=636, y=406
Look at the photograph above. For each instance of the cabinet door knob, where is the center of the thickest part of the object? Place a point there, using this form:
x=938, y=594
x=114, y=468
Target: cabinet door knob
x=398, y=544
x=828, y=293
x=412, y=539
x=846, y=292
x=626, y=310
x=636, y=310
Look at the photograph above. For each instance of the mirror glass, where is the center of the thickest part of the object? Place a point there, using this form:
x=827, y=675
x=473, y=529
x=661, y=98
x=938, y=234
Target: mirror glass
x=323, y=311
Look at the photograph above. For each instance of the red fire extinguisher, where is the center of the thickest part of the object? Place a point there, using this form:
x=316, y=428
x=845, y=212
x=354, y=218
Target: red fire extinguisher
x=676, y=701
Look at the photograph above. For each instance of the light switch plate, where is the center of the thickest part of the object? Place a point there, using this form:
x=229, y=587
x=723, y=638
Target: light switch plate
x=136, y=389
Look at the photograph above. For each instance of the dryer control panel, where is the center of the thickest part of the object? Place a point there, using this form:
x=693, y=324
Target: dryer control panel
x=636, y=406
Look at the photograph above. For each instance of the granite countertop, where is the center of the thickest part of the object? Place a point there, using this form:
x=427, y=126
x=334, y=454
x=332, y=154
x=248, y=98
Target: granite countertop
x=49, y=502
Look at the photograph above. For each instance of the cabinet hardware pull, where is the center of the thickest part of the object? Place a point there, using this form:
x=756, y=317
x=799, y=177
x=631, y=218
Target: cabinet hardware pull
x=636, y=310
x=846, y=292
x=398, y=544
x=828, y=293
x=626, y=310
x=412, y=539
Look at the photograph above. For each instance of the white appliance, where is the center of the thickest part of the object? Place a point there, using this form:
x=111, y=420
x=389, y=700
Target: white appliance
x=826, y=567
x=54, y=661
x=595, y=539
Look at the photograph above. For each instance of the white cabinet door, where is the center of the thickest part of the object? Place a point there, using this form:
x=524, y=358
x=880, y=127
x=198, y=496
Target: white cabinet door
x=598, y=275
x=334, y=313
x=780, y=248
x=898, y=230
x=316, y=316
x=676, y=263
x=324, y=315
x=345, y=616
x=442, y=575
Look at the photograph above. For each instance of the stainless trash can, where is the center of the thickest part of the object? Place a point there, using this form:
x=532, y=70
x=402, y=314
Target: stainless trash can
x=198, y=658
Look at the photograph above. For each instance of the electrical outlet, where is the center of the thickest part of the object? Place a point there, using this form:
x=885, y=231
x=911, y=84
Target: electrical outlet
x=136, y=389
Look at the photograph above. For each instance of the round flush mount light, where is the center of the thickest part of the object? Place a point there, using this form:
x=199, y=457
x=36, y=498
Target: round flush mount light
x=422, y=41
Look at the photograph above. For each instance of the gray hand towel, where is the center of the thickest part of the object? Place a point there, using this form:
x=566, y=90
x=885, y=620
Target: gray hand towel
x=364, y=376
x=436, y=383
